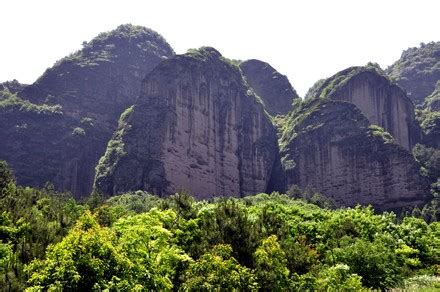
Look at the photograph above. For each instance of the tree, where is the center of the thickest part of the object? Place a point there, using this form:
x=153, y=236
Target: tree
x=218, y=270
x=271, y=265
x=6, y=177
x=151, y=248
x=86, y=258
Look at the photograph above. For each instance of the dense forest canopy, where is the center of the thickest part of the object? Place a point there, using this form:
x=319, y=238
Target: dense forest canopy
x=138, y=241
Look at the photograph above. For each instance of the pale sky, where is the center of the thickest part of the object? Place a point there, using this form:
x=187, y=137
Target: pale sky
x=305, y=40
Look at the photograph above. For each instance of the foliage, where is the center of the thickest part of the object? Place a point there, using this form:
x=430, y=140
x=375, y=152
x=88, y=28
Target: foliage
x=12, y=102
x=380, y=132
x=137, y=241
x=218, y=270
x=418, y=70
x=271, y=265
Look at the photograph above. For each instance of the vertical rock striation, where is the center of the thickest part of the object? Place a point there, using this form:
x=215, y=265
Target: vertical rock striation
x=382, y=102
x=196, y=127
x=330, y=147
x=89, y=89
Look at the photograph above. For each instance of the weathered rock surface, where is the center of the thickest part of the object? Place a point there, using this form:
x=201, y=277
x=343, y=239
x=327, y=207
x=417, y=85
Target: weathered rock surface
x=382, y=102
x=89, y=89
x=196, y=127
x=330, y=147
x=433, y=101
x=272, y=87
x=417, y=71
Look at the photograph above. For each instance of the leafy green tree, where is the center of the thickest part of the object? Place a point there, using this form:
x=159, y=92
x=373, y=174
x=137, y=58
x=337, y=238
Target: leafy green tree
x=86, y=258
x=376, y=262
x=151, y=248
x=338, y=278
x=219, y=271
x=271, y=265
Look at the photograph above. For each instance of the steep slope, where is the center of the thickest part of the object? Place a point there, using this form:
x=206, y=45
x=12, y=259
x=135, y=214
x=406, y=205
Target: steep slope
x=103, y=78
x=417, y=71
x=12, y=86
x=382, y=102
x=274, y=88
x=433, y=101
x=89, y=89
x=329, y=146
x=196, y=127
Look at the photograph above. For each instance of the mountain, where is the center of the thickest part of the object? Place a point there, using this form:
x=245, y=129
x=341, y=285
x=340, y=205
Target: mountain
x=351, y=140
x=382, y=102
x=433, y=101
x=417, y=71
x=272, y=87
x=196, y=127
x=330, y=147
x=56, y=129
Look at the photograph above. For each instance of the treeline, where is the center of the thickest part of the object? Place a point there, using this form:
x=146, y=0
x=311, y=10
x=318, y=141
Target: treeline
x=138, y=241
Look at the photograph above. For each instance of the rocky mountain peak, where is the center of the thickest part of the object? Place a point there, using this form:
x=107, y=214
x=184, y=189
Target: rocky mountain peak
x=272, y=87
x=91, y=88
x=418, y=70
x=196, y=126
x=383, y=103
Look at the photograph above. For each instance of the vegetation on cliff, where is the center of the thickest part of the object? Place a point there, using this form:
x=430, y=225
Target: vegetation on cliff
x=418, y=70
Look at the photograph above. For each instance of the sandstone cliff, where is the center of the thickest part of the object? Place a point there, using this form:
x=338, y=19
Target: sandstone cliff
x=417, y=71
x=272, y=87
x=329, y=146
x=89, y=89
x=382, y=102
x=196, y=127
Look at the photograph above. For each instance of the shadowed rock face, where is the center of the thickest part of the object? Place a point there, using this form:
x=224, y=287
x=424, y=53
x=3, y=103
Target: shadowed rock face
x=90, y=89
x=433, y=101
x=417, y=71
x=330, y=148
x=382, y=102
x=274, y=88
x=195, y=127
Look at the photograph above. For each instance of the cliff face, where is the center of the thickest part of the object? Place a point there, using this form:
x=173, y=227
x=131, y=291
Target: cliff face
x=382, y=102
x=329, y=147
x=272, y=87
x=90, y=89
x=195, y=127
x=417, y=71
x=433, y=101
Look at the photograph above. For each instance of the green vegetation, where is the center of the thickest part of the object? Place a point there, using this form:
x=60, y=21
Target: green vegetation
x=432, y=102
x=137, y=241
x=106, y=46
x=378, y=131
x=326, y=87
x=418, y=71
x=10, y=102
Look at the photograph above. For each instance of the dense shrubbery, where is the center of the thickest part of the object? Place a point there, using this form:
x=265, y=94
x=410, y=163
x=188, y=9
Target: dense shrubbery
x=264, y=242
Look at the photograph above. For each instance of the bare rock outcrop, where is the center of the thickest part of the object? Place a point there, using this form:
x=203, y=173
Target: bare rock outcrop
x=196, y=127
x=56, y=129
x=382, y=102
x=272, y=87
x=330, y=147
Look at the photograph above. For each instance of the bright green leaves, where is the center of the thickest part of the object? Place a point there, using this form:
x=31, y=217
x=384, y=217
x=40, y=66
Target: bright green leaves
x=271, y=265
x=138, y=251
x=218, y=270
x=86, y=257
x=150, y=247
